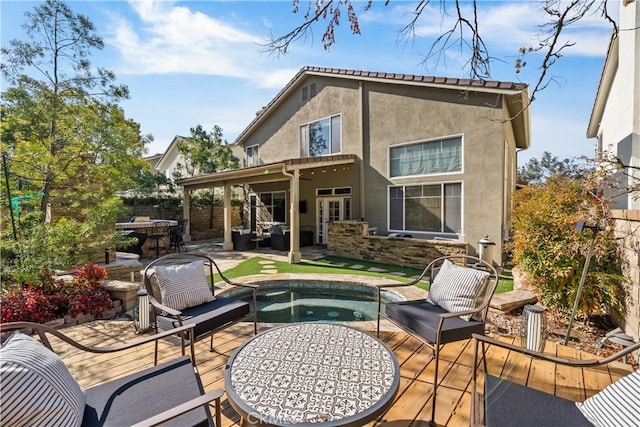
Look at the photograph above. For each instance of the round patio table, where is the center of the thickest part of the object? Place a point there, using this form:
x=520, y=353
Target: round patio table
x=308, y=373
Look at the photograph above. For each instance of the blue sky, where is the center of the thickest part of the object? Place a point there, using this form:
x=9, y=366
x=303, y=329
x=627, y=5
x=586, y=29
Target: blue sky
x=203, y=62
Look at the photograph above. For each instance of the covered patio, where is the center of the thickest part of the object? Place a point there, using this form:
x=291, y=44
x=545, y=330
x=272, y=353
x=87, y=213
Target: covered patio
x=290, y=171
x=412, y=405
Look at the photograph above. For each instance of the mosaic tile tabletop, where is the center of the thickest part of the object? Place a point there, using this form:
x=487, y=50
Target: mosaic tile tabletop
x=312, y=373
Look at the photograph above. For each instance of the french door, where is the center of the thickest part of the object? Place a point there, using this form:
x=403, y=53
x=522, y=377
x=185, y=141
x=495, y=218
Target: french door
x=328, y=209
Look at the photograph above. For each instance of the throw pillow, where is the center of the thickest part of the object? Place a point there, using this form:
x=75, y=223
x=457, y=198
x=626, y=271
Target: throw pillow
x=617, y=405
x=37, y=388
x=183, y=285
x=455, y=288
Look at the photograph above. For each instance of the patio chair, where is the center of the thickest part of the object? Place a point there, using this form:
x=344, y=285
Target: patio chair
x=180, y=292
x=159, y=235
x=457, y=306
x=505, y=403
x=38, y=389
x=176, y=236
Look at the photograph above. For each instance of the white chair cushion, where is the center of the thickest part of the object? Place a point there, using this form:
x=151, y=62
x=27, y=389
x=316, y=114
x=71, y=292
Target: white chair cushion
x=183, y=285
x=617, y=405
x=37, y=388
x=455, y=288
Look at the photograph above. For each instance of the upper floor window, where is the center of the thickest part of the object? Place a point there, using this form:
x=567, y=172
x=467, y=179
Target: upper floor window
x=252, y=155
x=321, y=138
x=426, y=158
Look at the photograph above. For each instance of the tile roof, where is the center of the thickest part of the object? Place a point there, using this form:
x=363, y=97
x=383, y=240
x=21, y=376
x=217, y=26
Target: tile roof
x=493, y=84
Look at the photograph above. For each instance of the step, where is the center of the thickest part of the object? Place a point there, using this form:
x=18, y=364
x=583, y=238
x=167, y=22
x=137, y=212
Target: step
x=512, y=300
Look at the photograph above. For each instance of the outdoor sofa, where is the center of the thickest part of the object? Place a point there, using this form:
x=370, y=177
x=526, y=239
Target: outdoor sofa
x=281, y=239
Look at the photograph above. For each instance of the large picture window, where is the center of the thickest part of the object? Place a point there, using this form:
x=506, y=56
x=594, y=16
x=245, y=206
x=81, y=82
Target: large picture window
x=433, y=208
x=321, y=138
x=273, y=207
x=426, y=158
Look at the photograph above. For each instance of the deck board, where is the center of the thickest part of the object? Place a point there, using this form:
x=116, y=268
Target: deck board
x=412, y=406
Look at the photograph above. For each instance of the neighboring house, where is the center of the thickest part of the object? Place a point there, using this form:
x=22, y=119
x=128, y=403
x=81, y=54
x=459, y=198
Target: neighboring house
x=615, y=118
x=154, y=159
x=426, y=156
x=168, y=162
x=615, y=122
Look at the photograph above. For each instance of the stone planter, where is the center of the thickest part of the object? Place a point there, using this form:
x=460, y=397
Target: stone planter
x=56, y=323
x=81, y=318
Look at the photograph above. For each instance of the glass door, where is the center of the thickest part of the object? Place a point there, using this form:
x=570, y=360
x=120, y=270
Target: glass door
x=328, y=209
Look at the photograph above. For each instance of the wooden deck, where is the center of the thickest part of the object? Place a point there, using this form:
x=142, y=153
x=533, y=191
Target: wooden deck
x=413, y=403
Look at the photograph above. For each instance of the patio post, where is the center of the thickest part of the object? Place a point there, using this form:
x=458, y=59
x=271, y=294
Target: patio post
x=294, y=255
x=186, y=213
x=227, y=245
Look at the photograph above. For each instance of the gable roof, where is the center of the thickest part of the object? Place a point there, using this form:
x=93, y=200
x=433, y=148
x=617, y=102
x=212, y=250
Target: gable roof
x=488, y=86
x=160, y=165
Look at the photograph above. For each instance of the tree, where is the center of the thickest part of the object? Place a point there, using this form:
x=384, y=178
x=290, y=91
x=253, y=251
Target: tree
x=65, y=137
x=548, y=248
x=205, y=152
x=462, y=35
x=59, y=114
x=538, y=171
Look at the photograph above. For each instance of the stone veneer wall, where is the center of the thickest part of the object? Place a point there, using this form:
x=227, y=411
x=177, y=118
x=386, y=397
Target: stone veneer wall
x=627, y=231
x=350, y=239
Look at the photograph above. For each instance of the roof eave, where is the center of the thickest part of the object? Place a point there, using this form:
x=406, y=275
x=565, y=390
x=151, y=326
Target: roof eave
x=606, y=80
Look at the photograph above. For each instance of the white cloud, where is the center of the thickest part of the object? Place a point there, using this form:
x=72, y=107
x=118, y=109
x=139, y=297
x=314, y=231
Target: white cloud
x=175, y=39
x=505, y=26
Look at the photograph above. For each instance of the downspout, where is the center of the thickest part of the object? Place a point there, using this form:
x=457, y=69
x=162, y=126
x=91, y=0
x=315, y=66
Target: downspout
x=362, y=163
x=294, y=190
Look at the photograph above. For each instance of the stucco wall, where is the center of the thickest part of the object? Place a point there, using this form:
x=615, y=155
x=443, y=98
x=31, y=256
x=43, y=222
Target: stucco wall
x=627, y=231
x=375, y=116
x=350, y=239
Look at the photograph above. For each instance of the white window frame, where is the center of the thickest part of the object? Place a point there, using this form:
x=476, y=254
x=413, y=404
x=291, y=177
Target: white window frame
x=262, y=206
x=442, y=213
x=423, y=141
x=249, y=158
x=305, y=126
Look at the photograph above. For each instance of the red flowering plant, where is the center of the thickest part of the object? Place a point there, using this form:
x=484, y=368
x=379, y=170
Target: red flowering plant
x=29, y=304
x=52, y=298
x=87, y=294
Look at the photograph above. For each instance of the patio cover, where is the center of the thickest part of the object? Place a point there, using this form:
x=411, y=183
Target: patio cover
x=286, y=170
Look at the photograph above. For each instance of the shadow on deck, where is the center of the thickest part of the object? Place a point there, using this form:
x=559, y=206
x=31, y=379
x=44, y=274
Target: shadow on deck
x=413, y=402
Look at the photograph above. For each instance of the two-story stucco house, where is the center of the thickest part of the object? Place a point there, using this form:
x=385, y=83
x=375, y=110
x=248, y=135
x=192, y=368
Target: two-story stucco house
x=425, y=156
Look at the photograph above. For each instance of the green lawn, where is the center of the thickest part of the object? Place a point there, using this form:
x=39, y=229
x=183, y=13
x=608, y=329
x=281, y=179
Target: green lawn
x=337, y=265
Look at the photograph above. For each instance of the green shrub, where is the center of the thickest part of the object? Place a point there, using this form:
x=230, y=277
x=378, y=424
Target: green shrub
x=552, y=252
